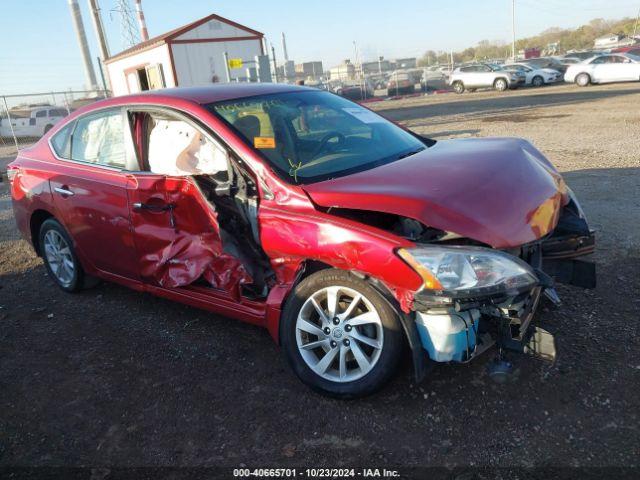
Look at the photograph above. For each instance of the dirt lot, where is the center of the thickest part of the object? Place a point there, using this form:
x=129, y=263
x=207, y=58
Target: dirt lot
x=113, y=377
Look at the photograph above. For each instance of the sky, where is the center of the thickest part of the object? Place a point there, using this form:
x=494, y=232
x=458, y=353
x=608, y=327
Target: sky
x=39, y=52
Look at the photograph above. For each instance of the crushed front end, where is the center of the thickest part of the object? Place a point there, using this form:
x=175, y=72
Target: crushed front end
x=475, y=297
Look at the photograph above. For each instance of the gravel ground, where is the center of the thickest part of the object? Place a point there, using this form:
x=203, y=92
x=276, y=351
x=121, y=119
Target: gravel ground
x=113, y=377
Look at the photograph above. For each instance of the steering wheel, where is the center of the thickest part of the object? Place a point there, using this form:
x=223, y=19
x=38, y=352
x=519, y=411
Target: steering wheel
x=325, y=141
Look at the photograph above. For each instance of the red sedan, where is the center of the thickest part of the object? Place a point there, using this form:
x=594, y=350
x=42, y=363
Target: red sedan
x=345, y=235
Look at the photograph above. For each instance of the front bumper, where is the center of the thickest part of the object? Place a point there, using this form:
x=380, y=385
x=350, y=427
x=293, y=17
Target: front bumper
x=461, y=330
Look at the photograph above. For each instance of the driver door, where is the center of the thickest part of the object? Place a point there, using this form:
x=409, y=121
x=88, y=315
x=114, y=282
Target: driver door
x=176, y=230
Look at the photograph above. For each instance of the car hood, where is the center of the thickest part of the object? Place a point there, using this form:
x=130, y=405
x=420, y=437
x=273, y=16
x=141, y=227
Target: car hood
x=498, y=191
x=550, y=71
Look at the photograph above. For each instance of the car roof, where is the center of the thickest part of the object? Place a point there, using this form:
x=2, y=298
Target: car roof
x=217, y=92
x=198, y=95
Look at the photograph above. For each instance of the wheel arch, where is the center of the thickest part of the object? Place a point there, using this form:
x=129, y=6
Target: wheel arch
x=38, y=217
x=575, y=79
x=409, y=327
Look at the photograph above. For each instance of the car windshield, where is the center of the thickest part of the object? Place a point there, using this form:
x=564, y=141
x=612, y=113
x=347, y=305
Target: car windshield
x=310, y=136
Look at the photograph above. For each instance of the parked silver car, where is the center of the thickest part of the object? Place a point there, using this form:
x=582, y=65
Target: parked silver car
x=472, y=77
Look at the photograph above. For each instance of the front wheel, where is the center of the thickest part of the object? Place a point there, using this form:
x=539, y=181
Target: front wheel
x=458, y=87
x=501, y=85
x=583, y=80
x=340, y=336
x=537, y=81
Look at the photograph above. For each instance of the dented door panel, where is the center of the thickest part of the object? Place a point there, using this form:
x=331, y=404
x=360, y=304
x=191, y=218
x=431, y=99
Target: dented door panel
x=177, y=235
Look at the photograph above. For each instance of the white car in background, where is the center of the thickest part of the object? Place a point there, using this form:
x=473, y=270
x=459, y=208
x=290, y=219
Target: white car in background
x=536, y=76
x=31, y=121
x=618, y=67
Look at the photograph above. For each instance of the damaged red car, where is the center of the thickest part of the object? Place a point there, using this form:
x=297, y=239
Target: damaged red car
x=348, y=237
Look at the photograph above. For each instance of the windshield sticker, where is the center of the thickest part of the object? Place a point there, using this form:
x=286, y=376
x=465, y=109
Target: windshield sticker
x=365, y=116
x=264, y=142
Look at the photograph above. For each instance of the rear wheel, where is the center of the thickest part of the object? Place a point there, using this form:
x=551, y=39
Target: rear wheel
x=60, y=259
x=500, y=84
x=537, y=81
x=583, y=80
x=458, y=87
x=340, y=336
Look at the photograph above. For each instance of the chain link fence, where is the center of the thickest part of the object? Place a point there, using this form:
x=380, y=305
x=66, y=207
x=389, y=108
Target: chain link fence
x=24, y=119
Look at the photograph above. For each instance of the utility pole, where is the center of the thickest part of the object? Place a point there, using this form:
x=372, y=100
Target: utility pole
x=635, y=27
x=275, y=64
x=76, y=16
x=513, y=29
x=96, y=17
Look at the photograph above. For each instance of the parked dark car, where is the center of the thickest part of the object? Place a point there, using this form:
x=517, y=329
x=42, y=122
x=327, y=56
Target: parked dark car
x=400, y=84
x=546, y=62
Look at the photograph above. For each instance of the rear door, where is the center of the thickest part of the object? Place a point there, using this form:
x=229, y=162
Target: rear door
x=90, y=191
x=485, y=76
x=625, y=69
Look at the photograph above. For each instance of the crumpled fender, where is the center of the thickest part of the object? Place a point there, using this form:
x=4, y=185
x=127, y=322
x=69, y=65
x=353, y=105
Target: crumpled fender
x=334, y=241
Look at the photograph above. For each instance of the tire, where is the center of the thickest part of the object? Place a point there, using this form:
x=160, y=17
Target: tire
x=537, y=81
x=583, y=80
x=332, y=356
x=501, y=84
x=458, y=87
x=62, y=265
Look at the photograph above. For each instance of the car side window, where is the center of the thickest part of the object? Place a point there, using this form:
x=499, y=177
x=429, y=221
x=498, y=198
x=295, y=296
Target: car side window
x=173, y=146
x=61, y=141
x=99, y=139
x=600, y=60
x=41, y=114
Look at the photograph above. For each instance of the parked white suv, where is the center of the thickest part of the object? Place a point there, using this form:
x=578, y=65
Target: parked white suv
x=32, y=121
x=471, y=77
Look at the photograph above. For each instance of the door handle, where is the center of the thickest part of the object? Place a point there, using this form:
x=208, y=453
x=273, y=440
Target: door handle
x=65, y=192
x=158, y=208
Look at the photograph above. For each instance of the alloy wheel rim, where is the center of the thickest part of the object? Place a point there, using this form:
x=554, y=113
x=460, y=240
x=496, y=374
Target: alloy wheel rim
x=59, y=258
x=339, y=334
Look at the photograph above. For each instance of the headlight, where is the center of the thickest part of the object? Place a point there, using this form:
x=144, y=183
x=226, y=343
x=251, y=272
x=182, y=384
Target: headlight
x=469, y=271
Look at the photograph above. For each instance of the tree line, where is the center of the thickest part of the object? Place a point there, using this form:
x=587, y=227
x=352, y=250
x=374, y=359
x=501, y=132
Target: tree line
x=580, y=38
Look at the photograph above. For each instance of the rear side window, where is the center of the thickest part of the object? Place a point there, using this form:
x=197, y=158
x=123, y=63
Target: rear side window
x=99, y=139
x=61, y=142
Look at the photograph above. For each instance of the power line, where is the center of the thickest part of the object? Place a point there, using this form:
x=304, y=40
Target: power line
x=128, y=28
